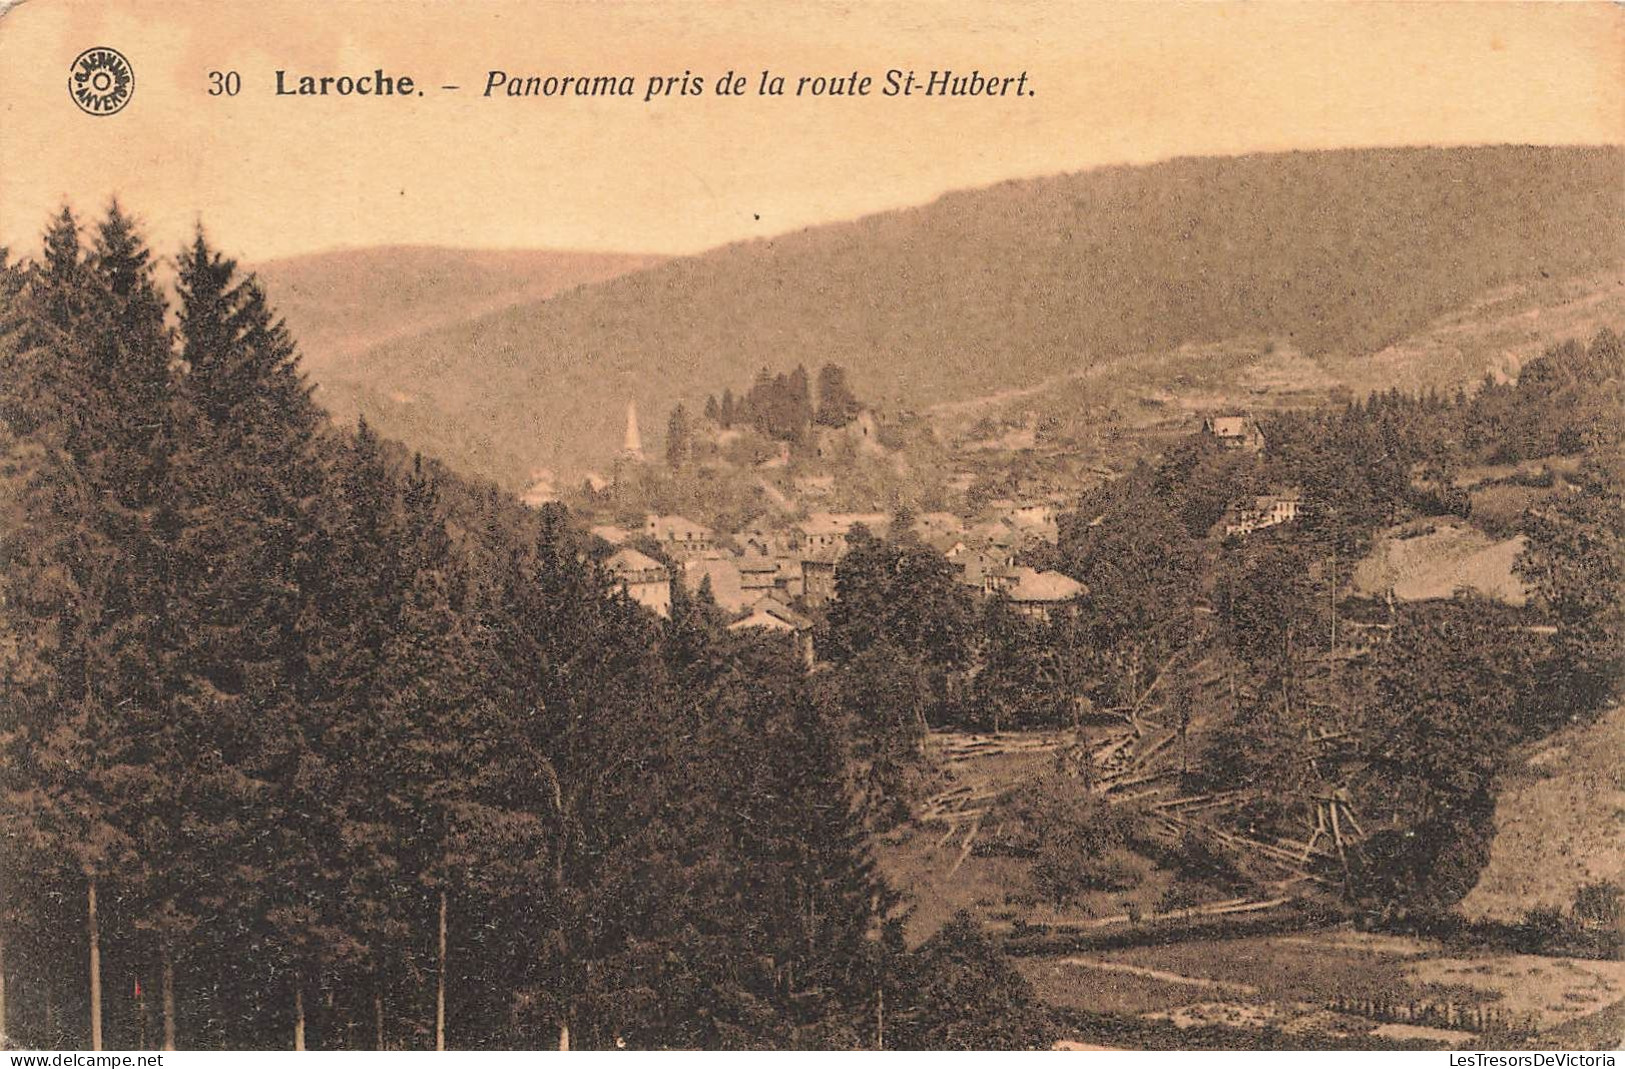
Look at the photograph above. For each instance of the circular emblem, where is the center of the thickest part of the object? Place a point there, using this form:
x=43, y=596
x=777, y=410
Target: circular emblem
x=100, y=81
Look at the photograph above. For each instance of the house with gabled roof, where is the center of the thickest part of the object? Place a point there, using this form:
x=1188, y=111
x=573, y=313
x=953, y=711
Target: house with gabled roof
x=1235, y=432
x=614, y=534
x=771, y=614
x=1262, y=511
x=828, y=531
x=1039, y=595
x=642, y=578
x=679, y=536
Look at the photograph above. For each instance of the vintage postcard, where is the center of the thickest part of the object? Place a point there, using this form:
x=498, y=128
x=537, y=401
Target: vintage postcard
x=837, y=526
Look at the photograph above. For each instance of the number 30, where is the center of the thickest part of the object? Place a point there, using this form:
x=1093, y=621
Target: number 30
x=228, y=83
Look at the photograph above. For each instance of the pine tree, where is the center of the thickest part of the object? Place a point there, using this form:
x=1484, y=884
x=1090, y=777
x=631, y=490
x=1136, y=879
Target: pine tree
x=800, y=404
x=957, y=992
x=250, y=475
x=472, y=785
x=679, y=438
x=133, y=463
x=837, y=405
x=49, y=369
x=96, y=399
x=39, y=934
x=358, y=581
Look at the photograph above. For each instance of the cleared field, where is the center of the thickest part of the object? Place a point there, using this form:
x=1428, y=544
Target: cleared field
x=1301, y=968
x=1434, y=558
x=1560, y=819
x=1334, y=984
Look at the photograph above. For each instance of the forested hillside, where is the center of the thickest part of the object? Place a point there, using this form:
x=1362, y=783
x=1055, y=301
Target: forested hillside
x=306, y=741
x=1258, y=682
x=1333, y=253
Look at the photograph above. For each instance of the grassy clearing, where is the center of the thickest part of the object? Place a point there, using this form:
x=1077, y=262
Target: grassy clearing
x=917, y=863
x=1281, y=968
x=1434, y=558
x=1560, y=822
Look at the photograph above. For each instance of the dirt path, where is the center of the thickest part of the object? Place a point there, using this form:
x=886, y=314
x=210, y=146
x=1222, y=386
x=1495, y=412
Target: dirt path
x=1159, y=974
x=1215, y=909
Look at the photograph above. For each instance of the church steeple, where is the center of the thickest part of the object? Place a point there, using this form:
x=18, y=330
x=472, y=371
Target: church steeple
x=633, y=447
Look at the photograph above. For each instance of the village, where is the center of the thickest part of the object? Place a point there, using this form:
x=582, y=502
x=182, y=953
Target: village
x=777, y=570
x=780, y=567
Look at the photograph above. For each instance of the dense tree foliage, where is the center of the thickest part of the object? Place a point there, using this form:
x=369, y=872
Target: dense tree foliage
x=679, y=438
x=778, y=406
x=897, y=637
x=1576, y=563
x=1414, y=734
x=1129, y=545
x=837, y=404
x=328, y=746
x=782, y=406
x=1453, y=690
x=1075, y=840
x=957, y=970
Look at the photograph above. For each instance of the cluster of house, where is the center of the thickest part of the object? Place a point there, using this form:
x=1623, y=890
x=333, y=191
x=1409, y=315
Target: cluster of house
x=1262, y=511
x=766, y=573
x=985, y=552
x=752, y=586
x=771, y=573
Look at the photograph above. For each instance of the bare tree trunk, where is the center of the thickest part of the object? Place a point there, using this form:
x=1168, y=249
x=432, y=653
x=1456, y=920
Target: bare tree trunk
x=378, y=1017
x=2, y=993
x=880, y=1017
x=168, y=993
x=299, y=1018
x=95, y=972
x=564, y=1035
x=440, y=984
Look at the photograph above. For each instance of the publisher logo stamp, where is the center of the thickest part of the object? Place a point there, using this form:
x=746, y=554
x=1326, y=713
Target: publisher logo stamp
x=101, y=81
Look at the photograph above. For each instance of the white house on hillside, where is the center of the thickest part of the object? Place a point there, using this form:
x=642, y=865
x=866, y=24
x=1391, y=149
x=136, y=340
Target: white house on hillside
x=644, y=579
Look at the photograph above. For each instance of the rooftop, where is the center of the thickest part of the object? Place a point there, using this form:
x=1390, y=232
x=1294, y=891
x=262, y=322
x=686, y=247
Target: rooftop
x=1032, y=585
x=630, y=560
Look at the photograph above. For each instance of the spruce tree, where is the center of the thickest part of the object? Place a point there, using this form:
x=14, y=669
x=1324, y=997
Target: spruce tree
x=251, y=475
x=94, y=397
x=679, y=438
x=132, y=463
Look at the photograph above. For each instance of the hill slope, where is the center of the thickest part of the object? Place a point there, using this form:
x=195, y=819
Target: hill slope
x=1339, y=254
x=341, y=303
x=1558, y=821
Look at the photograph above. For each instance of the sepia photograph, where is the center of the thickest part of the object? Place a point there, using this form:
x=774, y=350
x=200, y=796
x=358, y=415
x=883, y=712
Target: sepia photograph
x=770, y=526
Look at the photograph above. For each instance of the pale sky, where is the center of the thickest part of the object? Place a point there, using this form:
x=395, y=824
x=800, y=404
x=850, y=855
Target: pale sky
x=1112, y=82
